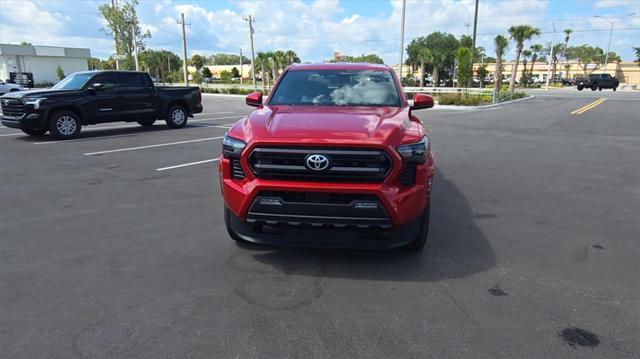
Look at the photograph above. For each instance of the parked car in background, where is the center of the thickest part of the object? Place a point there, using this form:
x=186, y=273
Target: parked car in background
x=598, y=82
x=9, y=87
x=92, y=97
x=334, y=158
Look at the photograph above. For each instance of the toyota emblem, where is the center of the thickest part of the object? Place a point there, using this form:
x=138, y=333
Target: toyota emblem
x=317, y=162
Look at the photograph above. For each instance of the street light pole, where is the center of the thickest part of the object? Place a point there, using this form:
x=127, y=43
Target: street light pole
x=404, y=6
x=135, y=45
x=606, y=56
x=553, y=38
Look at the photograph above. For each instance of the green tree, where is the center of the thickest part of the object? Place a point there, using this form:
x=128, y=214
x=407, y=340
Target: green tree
x=525, y=77
x=464, y=70
x=122, y=23
x=536, y=49
x=197, y=61
x=24, y=43
x=567, y=34
x=60, y=72
x=225, y=59
x=501, y=44
x=206, y=72
x=442, y=47
x=589, y=57
x=277, y=58
x=235, y=73
x=94, y=63
x=290, y=58
x=262, y=62
x=369, y=58
x=636, y=51
x=160, y=63
x=482, y=74
x=520, y=34
x=225, y=75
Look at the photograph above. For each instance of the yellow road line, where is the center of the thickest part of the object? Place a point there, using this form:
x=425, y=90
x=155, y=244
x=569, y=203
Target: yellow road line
x=588, y=107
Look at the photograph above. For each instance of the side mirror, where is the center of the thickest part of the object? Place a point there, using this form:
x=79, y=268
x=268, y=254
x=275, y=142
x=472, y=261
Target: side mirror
x=254, y=99
x=97, y=86
x=422, y=101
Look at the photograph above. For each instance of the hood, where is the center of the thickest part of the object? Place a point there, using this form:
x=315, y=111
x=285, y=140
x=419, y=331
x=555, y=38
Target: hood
x=36, y=93
x=329, y=125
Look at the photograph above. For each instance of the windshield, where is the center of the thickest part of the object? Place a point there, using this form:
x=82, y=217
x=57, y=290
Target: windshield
x=73, y=82
x=337, y=88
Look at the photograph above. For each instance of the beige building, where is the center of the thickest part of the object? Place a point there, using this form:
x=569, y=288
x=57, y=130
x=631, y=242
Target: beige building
x=626, y=72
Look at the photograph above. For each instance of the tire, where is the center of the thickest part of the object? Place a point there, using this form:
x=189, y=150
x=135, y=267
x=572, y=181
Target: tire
x=615, y=87
x=176, y=117
x=599, y=88
x=580, y=87
x=147, y=123
x=594, y=87
x=421, y=240
x=36, y=133
x=65, y=125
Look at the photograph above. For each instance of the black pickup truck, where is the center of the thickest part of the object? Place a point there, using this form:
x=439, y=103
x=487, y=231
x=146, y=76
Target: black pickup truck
x=597, y=82
x=92, y=97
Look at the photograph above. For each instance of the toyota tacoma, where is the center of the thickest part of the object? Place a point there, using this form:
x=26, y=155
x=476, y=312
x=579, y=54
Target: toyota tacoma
x=92, y=97
x=334, y=157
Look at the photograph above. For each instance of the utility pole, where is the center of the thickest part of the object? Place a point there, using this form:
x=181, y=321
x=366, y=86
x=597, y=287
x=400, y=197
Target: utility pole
x=553, y=38
x=251, y=20
x=135, y=45
x=473, y=46
x=115, y=35
x=404, y=6
x=241, y=63
x=184, y=52
x=168, y=63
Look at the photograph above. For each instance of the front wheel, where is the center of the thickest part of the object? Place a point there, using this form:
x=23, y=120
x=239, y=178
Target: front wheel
x=176, y=117
x=421, y=240
x=615, y=87
x=65, y=125
x=594, y=87
x=580, y=87
x=37, y=133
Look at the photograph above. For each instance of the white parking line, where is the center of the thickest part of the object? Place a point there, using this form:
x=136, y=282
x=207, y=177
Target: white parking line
x=213, y=113
x=12, y=134
x=152, y=146
x=187, y=164
x=216, y=118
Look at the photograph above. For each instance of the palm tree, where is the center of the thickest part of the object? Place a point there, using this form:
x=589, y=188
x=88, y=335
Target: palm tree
x=278, y=62
x=424, y=56
x=567, y=33
x=520, y=33
x=535, y=50
x=501, y=43
x=262, y=61
x=526, y=53
x=290, y=58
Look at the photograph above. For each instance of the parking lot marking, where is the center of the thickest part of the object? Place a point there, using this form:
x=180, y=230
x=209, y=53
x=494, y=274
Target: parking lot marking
x=12, y=134
x=187, y=164
x=152, y=146
x=588, y=107
x=216, y=118
x=213, y=113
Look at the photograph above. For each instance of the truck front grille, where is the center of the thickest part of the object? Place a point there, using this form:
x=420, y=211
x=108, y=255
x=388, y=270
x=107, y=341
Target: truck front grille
x=345, y=164
x=236, y=169
x=12, y=107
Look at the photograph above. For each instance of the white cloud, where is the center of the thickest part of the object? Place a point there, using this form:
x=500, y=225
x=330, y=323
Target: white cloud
x=611, y=3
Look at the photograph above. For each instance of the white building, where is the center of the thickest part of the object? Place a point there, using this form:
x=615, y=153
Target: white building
x=42, y=61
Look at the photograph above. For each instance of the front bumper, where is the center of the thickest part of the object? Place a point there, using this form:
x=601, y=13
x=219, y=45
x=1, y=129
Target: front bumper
x=393, y=222
x=29, y=121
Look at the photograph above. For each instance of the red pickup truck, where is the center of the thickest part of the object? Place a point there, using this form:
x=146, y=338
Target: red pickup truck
x=333, y=158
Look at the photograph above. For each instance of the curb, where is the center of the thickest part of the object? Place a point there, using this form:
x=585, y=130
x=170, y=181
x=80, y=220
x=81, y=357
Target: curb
x=507, y=102
x=472, y=108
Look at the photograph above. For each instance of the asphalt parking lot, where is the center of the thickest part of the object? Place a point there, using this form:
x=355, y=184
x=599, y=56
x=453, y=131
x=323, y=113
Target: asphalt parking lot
x=113, y=246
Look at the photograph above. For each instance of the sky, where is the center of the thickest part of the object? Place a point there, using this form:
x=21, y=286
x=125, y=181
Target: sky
x=315, y=29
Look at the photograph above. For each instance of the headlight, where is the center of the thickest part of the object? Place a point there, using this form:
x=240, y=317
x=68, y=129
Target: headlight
x=231, y=147
x=415, y=152
x=34, y=102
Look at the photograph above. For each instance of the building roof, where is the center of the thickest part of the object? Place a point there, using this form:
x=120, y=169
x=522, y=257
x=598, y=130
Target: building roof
x=53, y=51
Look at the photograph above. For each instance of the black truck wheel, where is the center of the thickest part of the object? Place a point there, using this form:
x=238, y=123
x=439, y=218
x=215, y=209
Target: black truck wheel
x=176, y=117
x=594, y=87
x=65, y=125
x=37, y=133
x=615, y=87
x=421, y=240
x=580, y=87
